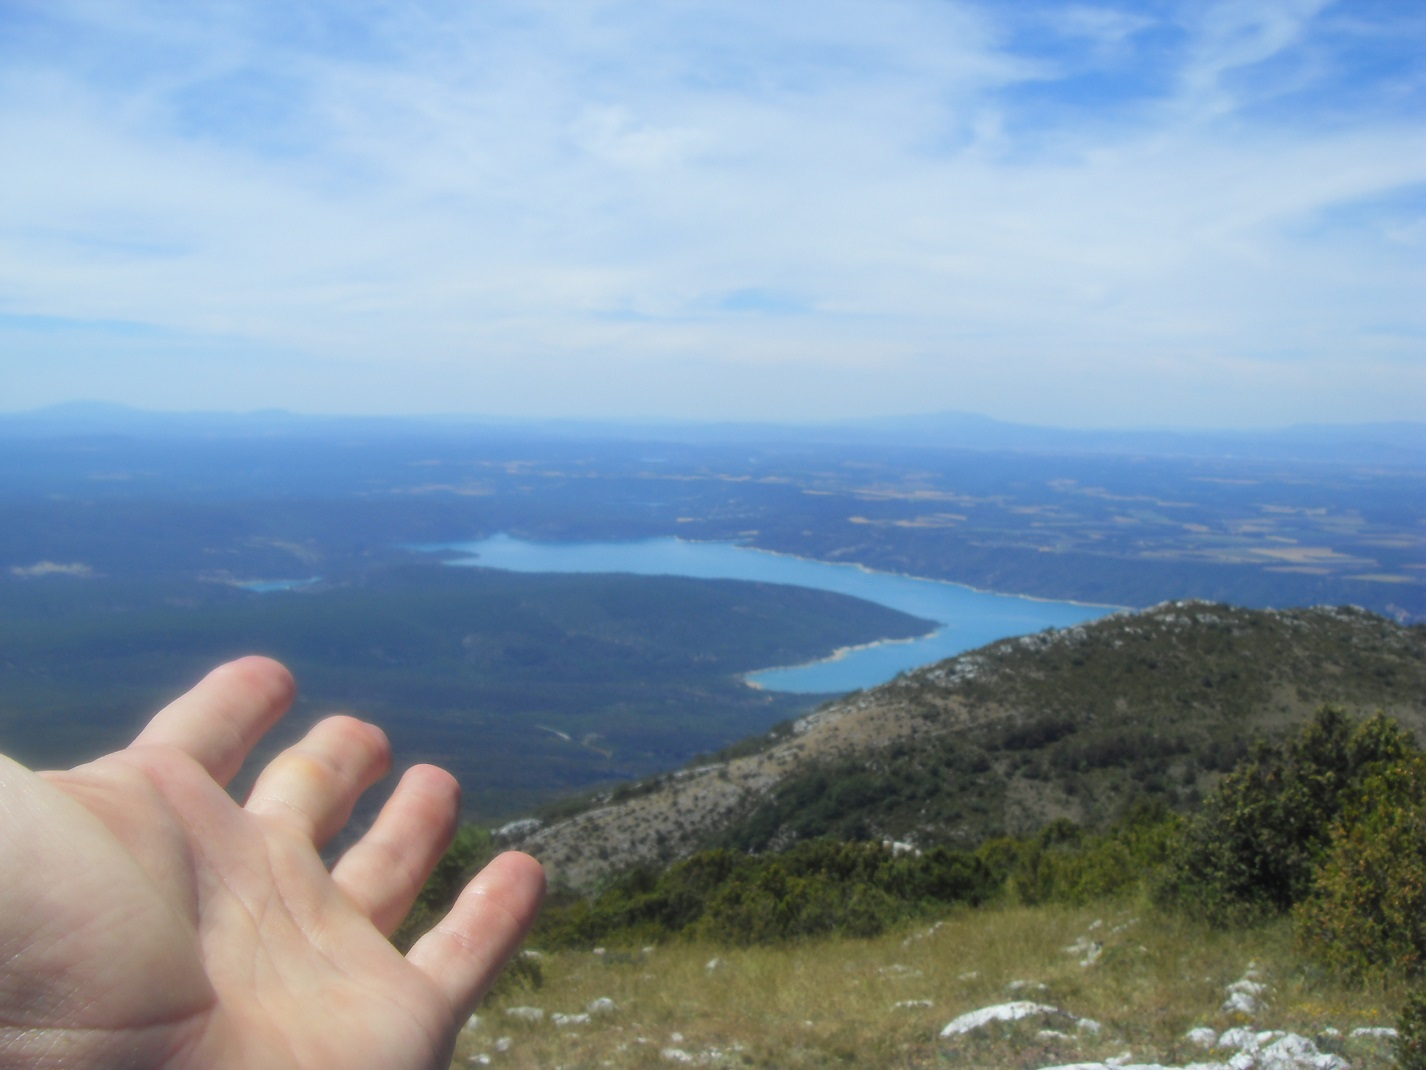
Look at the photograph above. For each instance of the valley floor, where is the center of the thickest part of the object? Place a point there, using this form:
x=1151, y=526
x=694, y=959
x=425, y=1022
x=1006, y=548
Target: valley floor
x=1111, y=986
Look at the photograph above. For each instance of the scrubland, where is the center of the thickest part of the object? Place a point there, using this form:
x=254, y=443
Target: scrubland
x=1276, y=929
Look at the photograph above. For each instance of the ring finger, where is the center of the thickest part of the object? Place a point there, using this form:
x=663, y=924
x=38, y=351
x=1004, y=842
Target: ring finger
x=384, y=871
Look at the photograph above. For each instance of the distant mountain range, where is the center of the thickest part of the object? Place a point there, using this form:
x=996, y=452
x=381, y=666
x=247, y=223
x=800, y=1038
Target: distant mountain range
x=1396, y=444
x=1081, y=724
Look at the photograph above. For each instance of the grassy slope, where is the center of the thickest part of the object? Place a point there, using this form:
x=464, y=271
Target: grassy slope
x=835, y=1002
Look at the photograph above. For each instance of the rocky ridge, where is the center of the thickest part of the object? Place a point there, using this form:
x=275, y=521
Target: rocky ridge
x=1040, y=717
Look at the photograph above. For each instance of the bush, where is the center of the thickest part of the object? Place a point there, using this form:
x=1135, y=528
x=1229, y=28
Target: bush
x=1368, y=909
x=777, y=906
x=468, y=852
x=1255, y=849
x=1411, y=1032
x=816, y=888
x=1063, y=864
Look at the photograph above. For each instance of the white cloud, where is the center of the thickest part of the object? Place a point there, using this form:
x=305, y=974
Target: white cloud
x=556, y=206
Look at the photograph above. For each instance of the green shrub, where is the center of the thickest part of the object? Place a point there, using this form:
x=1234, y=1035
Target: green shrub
x=522, y=974
x=816, y=888
x=1411, y=1032
x=1063, y=864
x=468, y=852
x=1255, y=848
x=1368, y=910
x=778, y=906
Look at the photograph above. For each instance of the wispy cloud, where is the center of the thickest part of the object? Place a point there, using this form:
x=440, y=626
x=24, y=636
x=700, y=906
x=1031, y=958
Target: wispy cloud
x=1118, y=213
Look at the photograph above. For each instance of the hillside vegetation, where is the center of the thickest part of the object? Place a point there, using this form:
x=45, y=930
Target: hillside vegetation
x=1278, y=927
x=1082, y=724
x=1110, y=947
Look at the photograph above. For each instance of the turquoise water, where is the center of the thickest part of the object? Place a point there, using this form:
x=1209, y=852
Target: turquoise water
x=268, y=586
x=966, y=618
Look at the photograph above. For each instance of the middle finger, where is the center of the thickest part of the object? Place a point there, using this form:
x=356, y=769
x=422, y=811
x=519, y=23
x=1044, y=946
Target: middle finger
x=313, y=785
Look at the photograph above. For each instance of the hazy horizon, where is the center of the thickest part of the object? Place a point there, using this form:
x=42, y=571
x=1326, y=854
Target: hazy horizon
x=88, y=407
x=1107, y=215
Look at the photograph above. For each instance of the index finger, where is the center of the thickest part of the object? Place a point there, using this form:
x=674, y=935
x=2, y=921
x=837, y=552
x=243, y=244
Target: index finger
x=218, y=721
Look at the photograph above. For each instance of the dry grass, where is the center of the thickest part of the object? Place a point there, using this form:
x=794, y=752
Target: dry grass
x=883, y=1002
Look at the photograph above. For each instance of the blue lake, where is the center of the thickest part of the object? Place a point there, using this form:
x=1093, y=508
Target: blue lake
x=269, y=586
x=966, y=618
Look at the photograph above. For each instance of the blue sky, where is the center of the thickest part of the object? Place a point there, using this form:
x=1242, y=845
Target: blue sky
x=1134, y=214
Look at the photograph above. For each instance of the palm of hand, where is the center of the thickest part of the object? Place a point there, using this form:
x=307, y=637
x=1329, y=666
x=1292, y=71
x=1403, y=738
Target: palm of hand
x=147, y=920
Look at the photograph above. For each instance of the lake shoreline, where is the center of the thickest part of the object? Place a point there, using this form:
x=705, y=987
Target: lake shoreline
x=961, y=616
x=837, y=655
x=790, y=556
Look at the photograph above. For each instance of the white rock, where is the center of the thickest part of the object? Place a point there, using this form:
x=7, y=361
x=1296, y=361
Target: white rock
x=602, y=1005
x=569, y=1019
x=1241, y=1037
x=1251, y=988
x=1203, y=1036
x=1293, y=1052
x=907, y=1004
x=471, y=1024
x=676, y=1055
x=503, y=1045
x=479, y=1059
x=1240, y=1003
x=1373, y=1031
x=713, y=964
x=1090, y=1026
x=526, y=1014
x=1000, y=1012
x=1287, y=1053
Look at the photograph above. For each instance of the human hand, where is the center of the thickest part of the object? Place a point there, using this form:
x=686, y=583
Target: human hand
x=147, y=920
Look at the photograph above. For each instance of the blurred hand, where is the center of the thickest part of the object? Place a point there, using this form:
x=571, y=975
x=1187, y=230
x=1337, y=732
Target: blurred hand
x=147, y=920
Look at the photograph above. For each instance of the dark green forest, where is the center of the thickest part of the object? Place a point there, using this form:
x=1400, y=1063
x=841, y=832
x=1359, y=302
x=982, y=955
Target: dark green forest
x=525, y=686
